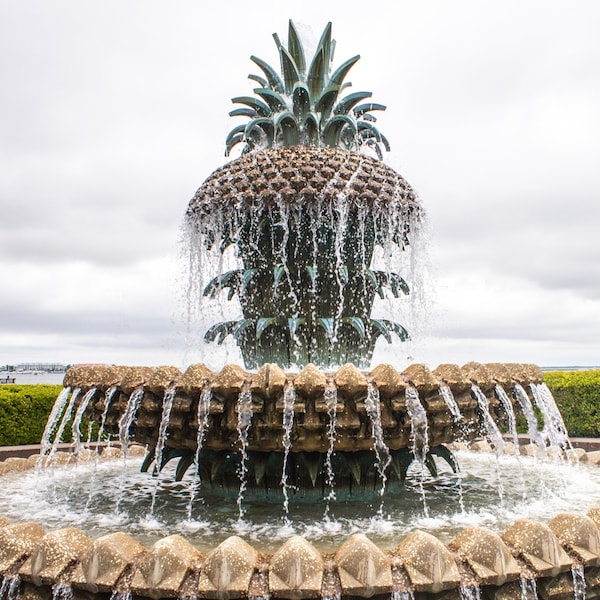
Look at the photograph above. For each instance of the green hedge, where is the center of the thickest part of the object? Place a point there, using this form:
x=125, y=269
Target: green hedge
x=24, y=410
x=577, y=395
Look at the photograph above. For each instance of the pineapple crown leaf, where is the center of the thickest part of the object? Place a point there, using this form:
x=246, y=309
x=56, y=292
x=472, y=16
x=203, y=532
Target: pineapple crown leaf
x=303, y=105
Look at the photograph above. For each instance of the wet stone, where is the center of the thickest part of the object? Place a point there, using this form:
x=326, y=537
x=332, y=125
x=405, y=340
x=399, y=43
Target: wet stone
x=429, y=564
x=17, y=542
x=228, y=569
x=296, y=570
x=579, y=535
x=350, y=382
x=57, y=551
x=310, y=382
x=364, y=570
x=538, y=547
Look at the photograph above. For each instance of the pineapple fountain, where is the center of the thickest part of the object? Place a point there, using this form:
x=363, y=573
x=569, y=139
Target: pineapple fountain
x=309, y=209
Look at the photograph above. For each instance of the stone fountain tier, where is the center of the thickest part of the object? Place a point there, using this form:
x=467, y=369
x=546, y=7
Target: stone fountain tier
x=559, y=559
x=314, y=394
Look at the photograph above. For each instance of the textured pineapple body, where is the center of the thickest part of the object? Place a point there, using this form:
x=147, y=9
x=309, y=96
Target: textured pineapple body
x=305, y=221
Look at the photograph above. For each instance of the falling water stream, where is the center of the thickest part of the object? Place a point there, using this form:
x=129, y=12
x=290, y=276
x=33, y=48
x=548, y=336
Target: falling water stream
x=167, y=406
x=382, y=452
x=330, y=395
x=202, y=416
x=289, y=399
x=128, y=417
x=419, y=437
x=243, y=425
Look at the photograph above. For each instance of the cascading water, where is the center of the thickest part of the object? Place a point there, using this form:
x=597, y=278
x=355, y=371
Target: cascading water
x=128, y=418
x=578, y=582
x=76, y=426
x=244, y=407
x=419, y=436
x=9, y=590
x=451, y=403
x=382, y=452
x=330, y=395
x=491, y=428
x=527, y=409
x=528, y=588
x=554, y=431
x=510, y=413
x=63, y=423
x=202, y=418
x=289, y=399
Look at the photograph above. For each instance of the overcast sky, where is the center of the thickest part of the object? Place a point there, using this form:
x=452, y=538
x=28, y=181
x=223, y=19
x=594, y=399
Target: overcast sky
x=113, y=113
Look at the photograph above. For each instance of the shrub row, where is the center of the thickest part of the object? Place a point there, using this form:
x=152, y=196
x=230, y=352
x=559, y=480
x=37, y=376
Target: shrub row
x=578, y=397
x=24, y=409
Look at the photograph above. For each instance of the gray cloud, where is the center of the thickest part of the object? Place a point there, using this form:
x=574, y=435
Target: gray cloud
x=113, y=114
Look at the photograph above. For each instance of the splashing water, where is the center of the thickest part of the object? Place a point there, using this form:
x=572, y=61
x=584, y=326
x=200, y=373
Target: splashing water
x=382, y=452
x=554, y=431
x=532, y=423
x=510, y=413
x=491, y=428
x=53, y=418
x=469, y=592
x=62, y=591
x=108, y=398
x=63, y=423
x=76, y=426
x=243, y=425
x=451, y=403
x=10, y=587
x=419, y=436
x=330, y=396
x=167, y=406
x=528, y=588
x=128, y=418
x=578, y=582
x=289, y=399
x=202, y=416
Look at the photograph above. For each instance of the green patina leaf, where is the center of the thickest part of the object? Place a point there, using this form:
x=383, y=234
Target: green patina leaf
x=381, y=329
x=333, y=129
x=293, y=325
x=220, y=331
x=287, y=125
x=247, y=277
x=316, y=74
x=260, y=80
x=345, y=104
x=273, y=78
x=291, y=76
x=326, y=101
x=340, y=73
x=325, y=43
x=241, y=326
x=327, y=323
x=313, y=273
x=296, y=49
x=364, y=108
x=263, y=124
x=261, y=108
x=273, y=99
x=301, y=101
x=278, y=272
x=243, y=112
x=343, y=271
x=358, y=325
x=262, y=324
